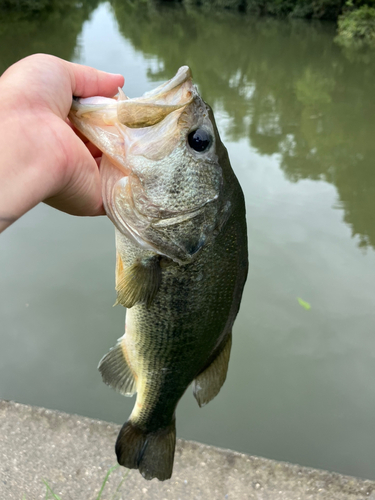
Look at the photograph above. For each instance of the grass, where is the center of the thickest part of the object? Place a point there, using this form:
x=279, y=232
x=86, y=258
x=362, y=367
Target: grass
x=51, y=495
x=49, y=490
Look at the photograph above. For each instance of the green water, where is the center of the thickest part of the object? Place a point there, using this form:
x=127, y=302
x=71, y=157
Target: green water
x=297, y=114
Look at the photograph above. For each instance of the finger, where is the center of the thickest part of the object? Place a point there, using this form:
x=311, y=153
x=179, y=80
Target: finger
x=52, y=82
x=87, y=81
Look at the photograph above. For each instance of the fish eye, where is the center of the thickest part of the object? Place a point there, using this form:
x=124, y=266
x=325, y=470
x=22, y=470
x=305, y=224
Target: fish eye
x=199, y=140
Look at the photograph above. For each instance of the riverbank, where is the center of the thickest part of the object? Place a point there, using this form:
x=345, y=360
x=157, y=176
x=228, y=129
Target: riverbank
x=73, y=454
x=355, y=19
x=308, y=9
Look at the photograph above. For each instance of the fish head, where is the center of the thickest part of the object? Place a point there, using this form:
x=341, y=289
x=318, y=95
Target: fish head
x=162, y=178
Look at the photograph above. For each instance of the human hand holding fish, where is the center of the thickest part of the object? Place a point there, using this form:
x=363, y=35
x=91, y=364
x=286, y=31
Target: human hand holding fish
x=43, y=158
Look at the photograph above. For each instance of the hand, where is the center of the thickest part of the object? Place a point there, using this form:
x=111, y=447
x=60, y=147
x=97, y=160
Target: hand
x=42, y=157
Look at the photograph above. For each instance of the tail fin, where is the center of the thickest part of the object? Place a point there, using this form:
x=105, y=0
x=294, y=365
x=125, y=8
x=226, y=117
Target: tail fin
x=152, y=453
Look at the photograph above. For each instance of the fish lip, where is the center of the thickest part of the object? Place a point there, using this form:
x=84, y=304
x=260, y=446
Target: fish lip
x=183, y=75
x=159, y=95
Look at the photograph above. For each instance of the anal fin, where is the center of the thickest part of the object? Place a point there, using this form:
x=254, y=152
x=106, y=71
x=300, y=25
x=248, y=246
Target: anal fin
x=139, y=282
x=116, y=372
x=208, y=383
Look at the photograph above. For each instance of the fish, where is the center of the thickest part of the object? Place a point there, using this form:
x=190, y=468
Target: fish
x=181, y=256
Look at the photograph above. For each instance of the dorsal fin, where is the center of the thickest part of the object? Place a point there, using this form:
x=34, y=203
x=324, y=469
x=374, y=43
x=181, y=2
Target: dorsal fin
x=138, y=282
x=208, y=383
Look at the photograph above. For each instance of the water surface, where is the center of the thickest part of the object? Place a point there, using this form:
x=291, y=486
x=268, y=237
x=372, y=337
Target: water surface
x=297, y=115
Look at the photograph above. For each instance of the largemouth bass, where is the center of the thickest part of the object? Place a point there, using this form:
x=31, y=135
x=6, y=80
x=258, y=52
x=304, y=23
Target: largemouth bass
x=179, y=213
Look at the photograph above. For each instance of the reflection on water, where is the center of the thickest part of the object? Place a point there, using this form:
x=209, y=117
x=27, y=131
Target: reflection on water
x=53, y=31
x=297, y=117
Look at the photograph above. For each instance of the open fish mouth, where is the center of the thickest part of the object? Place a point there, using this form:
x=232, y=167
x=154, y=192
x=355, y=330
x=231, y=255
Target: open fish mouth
x=155, y=105
x=139, y=112
x=147, y=125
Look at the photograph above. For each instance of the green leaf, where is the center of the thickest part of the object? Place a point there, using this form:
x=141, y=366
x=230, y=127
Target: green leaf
x=304, y=304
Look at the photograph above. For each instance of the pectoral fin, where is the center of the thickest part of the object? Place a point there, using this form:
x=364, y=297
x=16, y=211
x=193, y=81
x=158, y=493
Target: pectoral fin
x=208, y=383
x=138, y=282
x=116, y=372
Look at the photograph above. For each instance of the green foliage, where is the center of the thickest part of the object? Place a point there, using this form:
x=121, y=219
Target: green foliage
x=357, y=27
x=318, y=9
x=217, y=4
x=309, y=9
x=36, y=6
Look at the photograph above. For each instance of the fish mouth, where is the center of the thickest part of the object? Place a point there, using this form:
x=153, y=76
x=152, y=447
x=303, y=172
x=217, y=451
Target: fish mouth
x=119, y=126
x=154, y=106
x=182, y=76
x=138, y=112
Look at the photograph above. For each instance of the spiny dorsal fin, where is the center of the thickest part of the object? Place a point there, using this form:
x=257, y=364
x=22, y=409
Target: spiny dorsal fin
x=116, y=372
x=138, y=282
x=208, y=383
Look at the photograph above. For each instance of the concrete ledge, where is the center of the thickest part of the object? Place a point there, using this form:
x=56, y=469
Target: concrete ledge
x=74, y=454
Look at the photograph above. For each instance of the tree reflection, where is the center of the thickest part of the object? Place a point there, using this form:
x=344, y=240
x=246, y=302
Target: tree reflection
x=46, y=26
x=286, y=86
